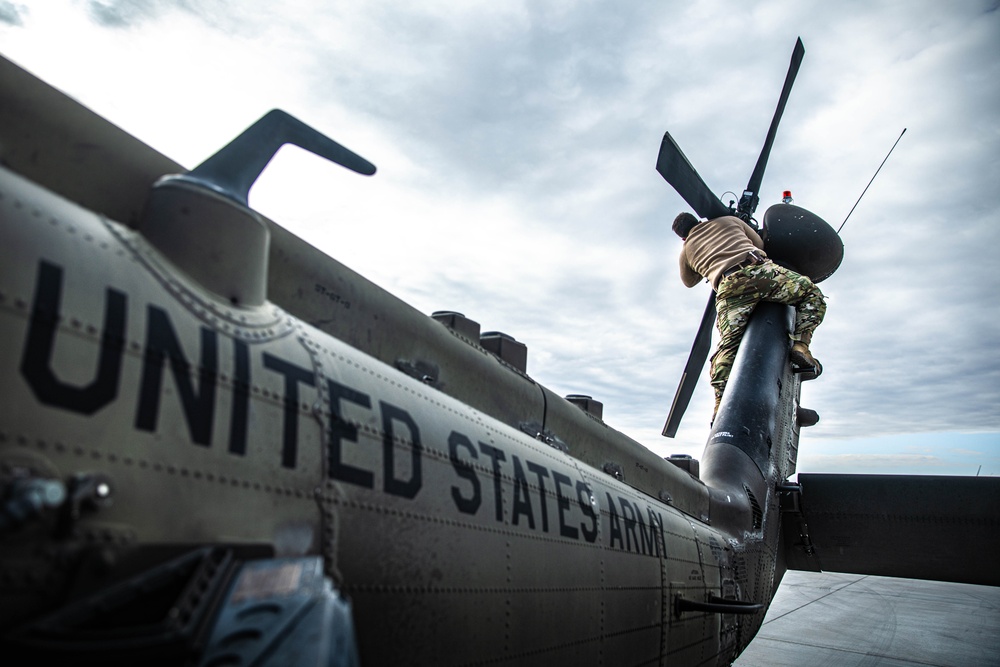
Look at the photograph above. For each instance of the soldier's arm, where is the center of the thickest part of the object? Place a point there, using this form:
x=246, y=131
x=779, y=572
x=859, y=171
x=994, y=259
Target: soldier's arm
x=689, y=276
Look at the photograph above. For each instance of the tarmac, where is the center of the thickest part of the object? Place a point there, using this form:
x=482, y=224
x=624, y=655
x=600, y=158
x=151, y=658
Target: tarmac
x=849, y=620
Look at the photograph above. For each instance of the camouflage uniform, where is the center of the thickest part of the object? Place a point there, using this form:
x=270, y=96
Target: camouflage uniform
x=738, y=294
x=730, y=255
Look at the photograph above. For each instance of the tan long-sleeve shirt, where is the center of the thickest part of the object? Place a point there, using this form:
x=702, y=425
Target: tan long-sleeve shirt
x=714, y=246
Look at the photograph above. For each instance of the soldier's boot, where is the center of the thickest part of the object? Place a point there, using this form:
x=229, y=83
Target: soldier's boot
x=806, y=364
x=718, y=401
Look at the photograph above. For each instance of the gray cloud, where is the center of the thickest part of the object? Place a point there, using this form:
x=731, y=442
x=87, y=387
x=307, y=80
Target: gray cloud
x=11, y=13
x=225, y=15
x=126, y=13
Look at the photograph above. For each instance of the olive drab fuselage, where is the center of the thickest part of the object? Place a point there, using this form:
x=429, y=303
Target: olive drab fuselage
x=454, y=535
x=469, y=514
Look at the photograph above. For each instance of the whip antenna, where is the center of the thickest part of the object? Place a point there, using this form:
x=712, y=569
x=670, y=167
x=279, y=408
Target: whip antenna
x=870, y=182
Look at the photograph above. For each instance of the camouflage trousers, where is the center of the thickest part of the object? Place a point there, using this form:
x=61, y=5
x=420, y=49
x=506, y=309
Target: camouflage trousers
x=741, y=291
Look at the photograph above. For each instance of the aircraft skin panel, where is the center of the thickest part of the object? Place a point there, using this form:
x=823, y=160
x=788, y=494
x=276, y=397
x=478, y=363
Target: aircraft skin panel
x=115, y=361
x=554, y=544
x=916, y=527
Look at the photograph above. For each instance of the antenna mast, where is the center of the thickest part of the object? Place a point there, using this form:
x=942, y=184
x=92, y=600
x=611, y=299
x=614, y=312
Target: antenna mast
x=870, y=182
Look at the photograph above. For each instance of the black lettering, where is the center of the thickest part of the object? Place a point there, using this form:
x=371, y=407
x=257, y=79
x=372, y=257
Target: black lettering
x=616, y=528
x=628, y=515
x=522, y=500
x=648, y=540
x=465, y=471
x=162, y=344
x=583, y=495
x=398, y=487
x=563, y=503
x=36, y=362
x=239, y=416
x=293, y=376
x=661, y=544
x=340, y=430
x=496, y=456
x=541, y=473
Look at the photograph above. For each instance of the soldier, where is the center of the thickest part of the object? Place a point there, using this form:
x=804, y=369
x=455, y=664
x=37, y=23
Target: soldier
x=730, y=254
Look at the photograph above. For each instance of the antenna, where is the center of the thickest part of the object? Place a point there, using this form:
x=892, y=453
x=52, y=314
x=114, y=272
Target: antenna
x=870, y=182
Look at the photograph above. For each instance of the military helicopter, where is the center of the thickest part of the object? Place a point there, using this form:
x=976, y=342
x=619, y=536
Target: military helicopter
x=220, y=446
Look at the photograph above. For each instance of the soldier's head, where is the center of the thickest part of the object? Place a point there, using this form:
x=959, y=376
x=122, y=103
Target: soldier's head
x=683, y=224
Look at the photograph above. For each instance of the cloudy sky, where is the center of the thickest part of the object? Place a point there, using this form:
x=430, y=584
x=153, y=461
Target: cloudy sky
x=516, y=144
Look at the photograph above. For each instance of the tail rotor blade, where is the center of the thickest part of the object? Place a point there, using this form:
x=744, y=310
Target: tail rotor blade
x=750, y=197
x=695, y=362
x=676, y=170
